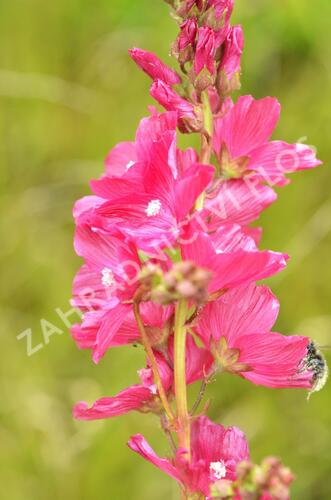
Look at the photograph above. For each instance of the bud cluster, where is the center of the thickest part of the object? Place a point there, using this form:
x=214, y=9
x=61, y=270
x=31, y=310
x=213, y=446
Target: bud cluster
x=185, y=280
x=208, y=48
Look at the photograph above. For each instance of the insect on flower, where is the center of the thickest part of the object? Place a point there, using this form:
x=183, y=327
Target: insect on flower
x=315, y=362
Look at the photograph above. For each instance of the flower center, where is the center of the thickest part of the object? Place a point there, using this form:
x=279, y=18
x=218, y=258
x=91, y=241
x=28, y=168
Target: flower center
x=153, y=208
x=129, y=165
x=107, y=277
x=218, y=469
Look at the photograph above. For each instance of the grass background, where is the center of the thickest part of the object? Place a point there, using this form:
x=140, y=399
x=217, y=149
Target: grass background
x=68, y=92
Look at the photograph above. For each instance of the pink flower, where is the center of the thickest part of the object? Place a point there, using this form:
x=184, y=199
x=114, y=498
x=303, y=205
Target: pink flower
x=143, y=397
x=237, y=330
x=242, y=144
x=215, y=451
x=205, y=51
x=154, y=197
x=230, y=255
x=107, y=281
x=154, y=67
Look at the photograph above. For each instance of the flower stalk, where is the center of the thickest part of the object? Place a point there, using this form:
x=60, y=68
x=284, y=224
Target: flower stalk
x=183, y=416
x=152, y=360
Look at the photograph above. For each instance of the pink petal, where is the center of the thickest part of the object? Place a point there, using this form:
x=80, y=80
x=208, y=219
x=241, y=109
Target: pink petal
x=232, y=238
x=88, y=291
x=274, y=360
x=84, y=206
x=230, y=269
x=232, y=51
x=212, y=442
x=109, y=327
x=239, y=201
x=154, y=67
x=138, y=444
x=273, y=161
x=247, y=125
x=129, y=216
x=205, y=51
x=135, y=397
x=120, y=158
x=241, y=311
x=193, y=182
x=171, y=101
x=103, y=251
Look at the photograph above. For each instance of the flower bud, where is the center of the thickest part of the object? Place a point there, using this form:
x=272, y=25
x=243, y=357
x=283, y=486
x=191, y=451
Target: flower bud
x=217, y=17
x=229, y=67
x=154, y=67
x=190, y=119
x=205, y=52
x=189, y=7
x=183, y=48
x=184, y=281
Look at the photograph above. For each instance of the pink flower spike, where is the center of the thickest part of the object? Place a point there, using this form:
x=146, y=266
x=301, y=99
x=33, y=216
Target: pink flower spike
x=154, y=67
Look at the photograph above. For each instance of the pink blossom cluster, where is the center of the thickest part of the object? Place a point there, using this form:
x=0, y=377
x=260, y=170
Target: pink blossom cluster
x=172, y=260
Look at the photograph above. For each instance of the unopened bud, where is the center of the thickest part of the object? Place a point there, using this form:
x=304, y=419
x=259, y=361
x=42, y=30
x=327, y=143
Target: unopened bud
x=184, y=47
x=190, y=117
x=184, y=281
x=243, y=470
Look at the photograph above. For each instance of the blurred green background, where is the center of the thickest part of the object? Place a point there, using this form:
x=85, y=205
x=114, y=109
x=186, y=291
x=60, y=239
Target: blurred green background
x=68, y=93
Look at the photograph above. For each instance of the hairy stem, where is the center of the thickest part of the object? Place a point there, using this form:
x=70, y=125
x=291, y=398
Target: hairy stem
x=152, y=360
x=183, y=417
x=199, y=398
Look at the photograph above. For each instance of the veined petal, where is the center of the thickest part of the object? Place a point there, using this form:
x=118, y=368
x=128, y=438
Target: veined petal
x=192, y=183
x=121, y=158
x=108, y=329
x=132, y=398
x=247, y=125
x=241, y=311
x=240, y=201
x=139, y=444
x=274, y=360
x=154, y=67
x=274, y=160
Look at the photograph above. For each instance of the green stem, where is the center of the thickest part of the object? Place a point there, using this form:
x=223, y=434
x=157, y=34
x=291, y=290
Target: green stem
x=183, y=417
x=206, y=140
x=208, y=119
